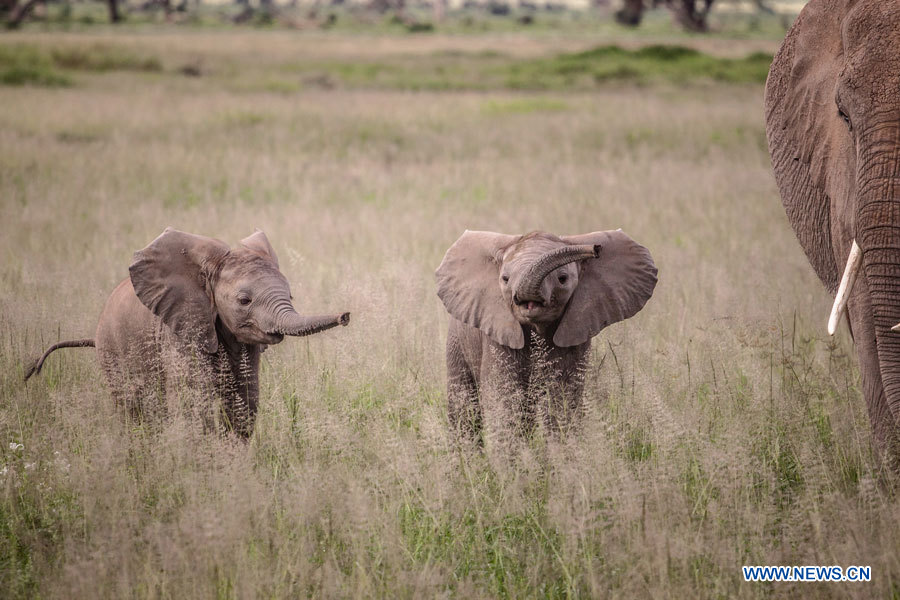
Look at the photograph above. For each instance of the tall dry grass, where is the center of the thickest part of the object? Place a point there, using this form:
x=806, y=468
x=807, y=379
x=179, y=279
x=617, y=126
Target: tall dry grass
x=723, y=427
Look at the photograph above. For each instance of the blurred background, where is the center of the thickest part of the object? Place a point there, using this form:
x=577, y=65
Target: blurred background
x=417, y=16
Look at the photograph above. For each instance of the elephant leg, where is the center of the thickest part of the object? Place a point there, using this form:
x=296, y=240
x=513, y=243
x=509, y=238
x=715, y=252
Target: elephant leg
x=133, y=383
x=188, y=392
x=558, y=396
x=507, y=407
x=884, y=429
x=559, y=409
x=463, y=407
x=502, y=408
x=237, y=382
x=239, y=413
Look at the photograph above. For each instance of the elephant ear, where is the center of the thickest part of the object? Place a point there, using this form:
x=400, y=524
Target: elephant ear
x=611, y=288
x=803, y=127
x=468, y=283
x=259, y=243
x=170, y=278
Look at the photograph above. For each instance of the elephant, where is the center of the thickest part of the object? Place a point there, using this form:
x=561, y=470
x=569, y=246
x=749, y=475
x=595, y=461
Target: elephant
x=833, y=127
x=195, y=314
x=523, y=310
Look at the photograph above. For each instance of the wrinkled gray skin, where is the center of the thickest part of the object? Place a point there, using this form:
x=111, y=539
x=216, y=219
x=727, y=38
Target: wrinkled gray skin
x=197, y=312
x=833, y=125
x=523, y=310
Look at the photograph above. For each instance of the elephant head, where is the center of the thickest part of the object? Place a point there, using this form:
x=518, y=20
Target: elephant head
x=833, y=126
x=189, y=281
x=570, y=286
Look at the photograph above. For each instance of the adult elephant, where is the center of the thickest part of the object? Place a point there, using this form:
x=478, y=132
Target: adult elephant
x=833, y=125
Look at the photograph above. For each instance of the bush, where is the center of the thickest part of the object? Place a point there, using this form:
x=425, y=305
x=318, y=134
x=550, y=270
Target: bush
x=25, y=65
x=103, y=58
x=657, y=62
x=23, y=75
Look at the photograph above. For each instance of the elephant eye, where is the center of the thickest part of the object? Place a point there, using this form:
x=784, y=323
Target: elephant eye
x=846, y=119
x=505, y=278
x=563, y=278
x=244, y=300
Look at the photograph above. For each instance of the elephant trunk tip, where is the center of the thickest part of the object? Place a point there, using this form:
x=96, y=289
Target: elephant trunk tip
x=597, y=249
x=297, y=325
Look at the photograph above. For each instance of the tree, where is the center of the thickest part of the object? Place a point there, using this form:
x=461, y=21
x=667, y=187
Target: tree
x=383, y=6
x=16, y=12
x=761, y=6
x=691, y=14
x=265, y=12
x=439, y=8
x=114, y=15
x=631, y=13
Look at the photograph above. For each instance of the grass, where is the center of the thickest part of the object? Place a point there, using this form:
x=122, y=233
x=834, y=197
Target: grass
x=723, y=427
x=32, y=76
x=435, y=71
x=36, y=65
x=100, y=58
x=604, y=64
x=583, y=70
x=524, y=106
x=26, y=65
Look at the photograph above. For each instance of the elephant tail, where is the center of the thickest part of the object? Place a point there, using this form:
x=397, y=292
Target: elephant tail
x=36, y=367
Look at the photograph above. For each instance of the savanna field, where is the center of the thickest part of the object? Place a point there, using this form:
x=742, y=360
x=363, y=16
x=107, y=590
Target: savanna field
x=723, y=426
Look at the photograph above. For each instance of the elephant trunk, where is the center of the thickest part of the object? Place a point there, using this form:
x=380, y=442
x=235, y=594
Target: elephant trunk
x=291, y=323
x=530, y=284
x=878, y=236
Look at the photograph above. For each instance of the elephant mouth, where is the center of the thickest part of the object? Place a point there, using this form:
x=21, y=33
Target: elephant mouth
x=529, y=305
x=250, y=333
x=530, y=311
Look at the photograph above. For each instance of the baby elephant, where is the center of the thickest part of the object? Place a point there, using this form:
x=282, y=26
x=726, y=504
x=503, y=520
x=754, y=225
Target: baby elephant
x=196, y=314
x=523, y=310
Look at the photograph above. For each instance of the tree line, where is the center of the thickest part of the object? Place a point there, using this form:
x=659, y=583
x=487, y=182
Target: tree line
x=690, y=14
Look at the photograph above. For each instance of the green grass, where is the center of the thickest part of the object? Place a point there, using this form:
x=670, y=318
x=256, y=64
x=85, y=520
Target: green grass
x=438, y=71
x=32, y=76
x=103, y=58
x=584, y=70
x=29, y=64
x=604, y=64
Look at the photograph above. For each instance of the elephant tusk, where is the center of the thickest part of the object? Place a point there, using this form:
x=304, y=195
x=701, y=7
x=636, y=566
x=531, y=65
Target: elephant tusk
x=896, y=327
x=847, y=281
